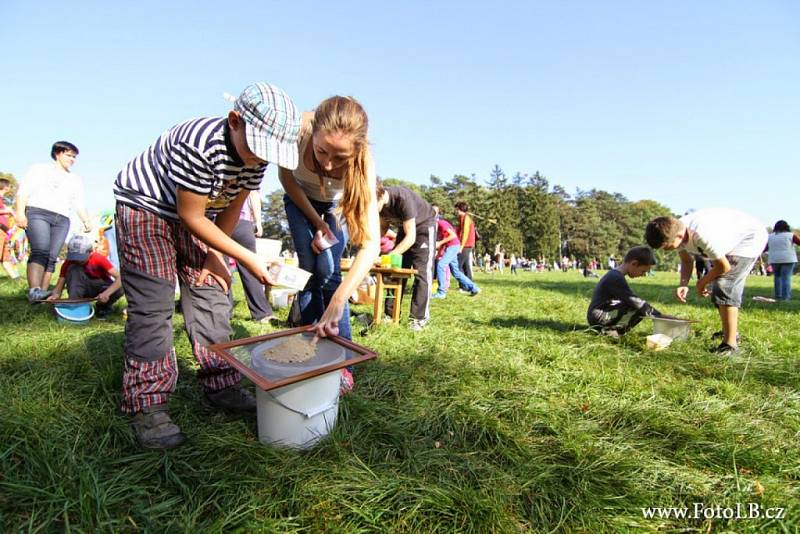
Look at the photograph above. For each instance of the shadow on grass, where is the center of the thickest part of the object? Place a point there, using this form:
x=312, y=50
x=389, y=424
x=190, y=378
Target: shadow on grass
x=526, y=322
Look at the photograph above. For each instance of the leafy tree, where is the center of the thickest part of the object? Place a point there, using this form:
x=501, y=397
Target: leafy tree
x=273, y=217
x=642, y=212
x=397, y=182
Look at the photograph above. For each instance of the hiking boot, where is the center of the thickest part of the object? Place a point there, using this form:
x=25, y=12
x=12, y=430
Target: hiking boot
x=155, y=430
x=234, y=398
x=723, y=349
x=474, y=292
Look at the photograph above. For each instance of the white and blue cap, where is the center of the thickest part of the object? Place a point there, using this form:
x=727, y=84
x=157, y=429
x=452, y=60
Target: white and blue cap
x=79, y=248
x=272, y=123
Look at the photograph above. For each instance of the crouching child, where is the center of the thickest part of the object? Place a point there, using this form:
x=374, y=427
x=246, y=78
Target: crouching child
x=88, y=274
x=615, y=308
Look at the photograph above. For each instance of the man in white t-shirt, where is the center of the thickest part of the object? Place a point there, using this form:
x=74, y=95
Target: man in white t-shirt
x=732, y=241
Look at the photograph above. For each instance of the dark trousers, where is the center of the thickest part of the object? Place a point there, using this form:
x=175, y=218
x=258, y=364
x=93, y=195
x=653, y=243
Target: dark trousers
x=420, y=257
x=619, y=317
x=254, y=291
x=46, y=231
x=80, y=285
x=465, y=264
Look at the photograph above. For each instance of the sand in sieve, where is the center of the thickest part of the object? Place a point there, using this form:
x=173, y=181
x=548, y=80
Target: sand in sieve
x=295, y=349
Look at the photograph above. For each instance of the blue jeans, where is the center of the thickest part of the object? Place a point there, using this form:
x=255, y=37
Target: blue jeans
x=450, y=259
x=47, y=231
x=325, y=268
x=782, y=272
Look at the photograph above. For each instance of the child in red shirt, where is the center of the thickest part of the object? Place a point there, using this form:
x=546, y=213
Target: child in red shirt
x=87, y=273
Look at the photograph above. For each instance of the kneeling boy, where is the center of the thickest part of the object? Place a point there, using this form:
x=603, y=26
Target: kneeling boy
x=87, y=273
x=615, y=309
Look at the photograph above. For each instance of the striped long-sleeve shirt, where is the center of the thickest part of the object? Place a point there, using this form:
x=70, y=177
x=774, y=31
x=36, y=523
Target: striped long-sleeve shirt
x=197, y=155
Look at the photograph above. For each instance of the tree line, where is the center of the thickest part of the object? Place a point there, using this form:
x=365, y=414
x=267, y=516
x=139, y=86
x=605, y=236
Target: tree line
x=527, y=215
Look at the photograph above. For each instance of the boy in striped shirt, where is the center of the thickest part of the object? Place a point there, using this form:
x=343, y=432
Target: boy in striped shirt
x=166, y=198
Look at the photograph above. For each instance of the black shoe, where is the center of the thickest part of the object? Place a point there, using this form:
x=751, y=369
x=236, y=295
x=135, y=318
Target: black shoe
x=607, y=332
x=723, y=349
x=101, y=314
x=155, y=430
x=718, y=335
x=234, y=398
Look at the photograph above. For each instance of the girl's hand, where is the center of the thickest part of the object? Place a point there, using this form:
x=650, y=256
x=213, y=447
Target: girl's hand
x=323, y=231
x=215, y=267
x=328, y=325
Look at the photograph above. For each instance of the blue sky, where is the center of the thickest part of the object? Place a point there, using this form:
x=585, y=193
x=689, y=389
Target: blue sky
x=688, y=103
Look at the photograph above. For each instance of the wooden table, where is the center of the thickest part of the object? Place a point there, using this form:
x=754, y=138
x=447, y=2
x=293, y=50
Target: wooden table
x=388, y=278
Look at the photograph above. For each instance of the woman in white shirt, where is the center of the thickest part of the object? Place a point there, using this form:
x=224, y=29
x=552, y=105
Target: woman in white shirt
x=782, y=256
x=47, y=193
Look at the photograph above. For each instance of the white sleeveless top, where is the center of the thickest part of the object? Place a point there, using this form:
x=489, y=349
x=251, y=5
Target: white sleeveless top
x=309, y=180
x=781, y=248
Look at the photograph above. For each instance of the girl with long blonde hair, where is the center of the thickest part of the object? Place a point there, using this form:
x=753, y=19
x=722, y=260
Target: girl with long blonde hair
x=332, y=194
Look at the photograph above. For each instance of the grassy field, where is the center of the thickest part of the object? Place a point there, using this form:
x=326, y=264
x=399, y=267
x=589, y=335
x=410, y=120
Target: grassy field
x=503, y=416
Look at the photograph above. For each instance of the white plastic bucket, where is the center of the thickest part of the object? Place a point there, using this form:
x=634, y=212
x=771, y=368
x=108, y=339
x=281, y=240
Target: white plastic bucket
x=280, y=297
x=675, y=328
x=300, y=414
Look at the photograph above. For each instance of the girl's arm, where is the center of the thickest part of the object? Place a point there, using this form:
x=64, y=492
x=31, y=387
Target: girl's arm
x=369, y=250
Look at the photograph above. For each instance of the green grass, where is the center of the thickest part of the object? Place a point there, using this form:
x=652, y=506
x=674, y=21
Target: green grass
x=502, y=416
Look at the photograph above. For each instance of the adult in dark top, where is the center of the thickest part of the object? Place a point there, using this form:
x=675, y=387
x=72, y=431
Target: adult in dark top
x=615, y=308
x=415, y=220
